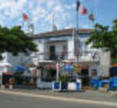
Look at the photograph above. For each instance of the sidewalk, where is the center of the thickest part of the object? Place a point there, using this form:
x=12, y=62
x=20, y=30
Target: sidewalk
x=88, y=95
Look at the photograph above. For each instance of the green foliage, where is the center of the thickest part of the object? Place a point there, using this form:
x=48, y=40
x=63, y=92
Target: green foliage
x=15, y=41
x=63, y=78
x=104, y=38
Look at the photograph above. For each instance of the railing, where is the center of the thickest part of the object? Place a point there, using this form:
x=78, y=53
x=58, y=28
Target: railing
x=55, y=56
x=58, y=55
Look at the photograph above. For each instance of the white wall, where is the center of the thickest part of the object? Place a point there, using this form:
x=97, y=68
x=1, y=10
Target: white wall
x=105, y=62
x=40, y=46
x=96, y=67
x=43, y=47
x=4, y=68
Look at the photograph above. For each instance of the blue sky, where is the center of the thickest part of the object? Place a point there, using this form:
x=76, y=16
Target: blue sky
x=40, y=13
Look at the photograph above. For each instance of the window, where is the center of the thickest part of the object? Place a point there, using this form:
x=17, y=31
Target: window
x=64, y=51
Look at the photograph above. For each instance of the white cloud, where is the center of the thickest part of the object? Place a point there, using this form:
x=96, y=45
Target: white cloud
x=72, y=6
x=39, y=11
x=58, y=8
x=12, y=8
x=49, y=18
x=51, y=3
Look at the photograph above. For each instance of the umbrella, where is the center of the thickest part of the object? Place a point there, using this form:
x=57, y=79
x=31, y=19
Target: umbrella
x=20, y=68
x=68, y=67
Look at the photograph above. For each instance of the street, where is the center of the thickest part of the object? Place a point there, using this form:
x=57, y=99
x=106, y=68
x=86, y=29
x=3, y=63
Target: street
x=13, y=101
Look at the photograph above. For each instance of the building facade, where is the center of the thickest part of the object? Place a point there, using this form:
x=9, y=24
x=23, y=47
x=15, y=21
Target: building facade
x=60, y=45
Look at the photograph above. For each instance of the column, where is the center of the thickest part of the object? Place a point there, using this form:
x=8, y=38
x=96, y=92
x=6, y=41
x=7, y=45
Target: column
x=71, y=49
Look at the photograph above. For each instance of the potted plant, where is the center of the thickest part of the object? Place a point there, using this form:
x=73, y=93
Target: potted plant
x=64, y=79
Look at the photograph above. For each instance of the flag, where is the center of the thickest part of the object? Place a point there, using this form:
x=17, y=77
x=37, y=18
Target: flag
x=91, y=17
x=82, y=10
x=25, y=17
x=77, y=5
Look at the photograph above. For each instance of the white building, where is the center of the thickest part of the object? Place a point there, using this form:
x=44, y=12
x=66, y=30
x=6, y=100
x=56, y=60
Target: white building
x=53, y=45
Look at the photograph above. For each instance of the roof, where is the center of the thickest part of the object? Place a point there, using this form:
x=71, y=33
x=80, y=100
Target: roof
x=64, y=32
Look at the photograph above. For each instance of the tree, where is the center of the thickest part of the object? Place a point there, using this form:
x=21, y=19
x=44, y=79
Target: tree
x=15, y=41
x=102, y=37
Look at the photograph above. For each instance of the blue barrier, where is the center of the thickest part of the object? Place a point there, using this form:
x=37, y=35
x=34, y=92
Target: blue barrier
x=56, y=86
x=94, y=83
x=113, y=83
x=73, y=86
x=77, y=86
x=70, y=86
x=103, y=82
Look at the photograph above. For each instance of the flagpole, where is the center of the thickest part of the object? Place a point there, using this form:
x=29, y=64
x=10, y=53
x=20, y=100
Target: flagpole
x=77, y=19
x=76, y=32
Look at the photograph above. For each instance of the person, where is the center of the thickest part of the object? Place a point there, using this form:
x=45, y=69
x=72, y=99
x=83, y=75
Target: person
x=11, y=81
x=79, y=81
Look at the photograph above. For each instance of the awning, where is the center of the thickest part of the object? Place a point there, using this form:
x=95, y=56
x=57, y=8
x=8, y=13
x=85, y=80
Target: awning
x=6, y=64
x=7, y=73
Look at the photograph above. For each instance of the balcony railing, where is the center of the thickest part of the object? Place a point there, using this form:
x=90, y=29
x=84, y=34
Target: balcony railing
x=55, y=56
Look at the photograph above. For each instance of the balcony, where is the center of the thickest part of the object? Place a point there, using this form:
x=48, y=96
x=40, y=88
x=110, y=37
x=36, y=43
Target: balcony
x=55, y=56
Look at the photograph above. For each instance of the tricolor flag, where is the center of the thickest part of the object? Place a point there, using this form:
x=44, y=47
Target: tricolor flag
x=25, y=17
x=82, y=10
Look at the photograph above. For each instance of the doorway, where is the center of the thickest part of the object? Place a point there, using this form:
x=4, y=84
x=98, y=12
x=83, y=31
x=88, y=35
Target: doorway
x=52, y=55
x=85, y=77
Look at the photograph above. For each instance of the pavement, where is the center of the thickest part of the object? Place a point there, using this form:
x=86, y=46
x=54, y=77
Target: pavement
x=17, y=101
x=85, y=97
